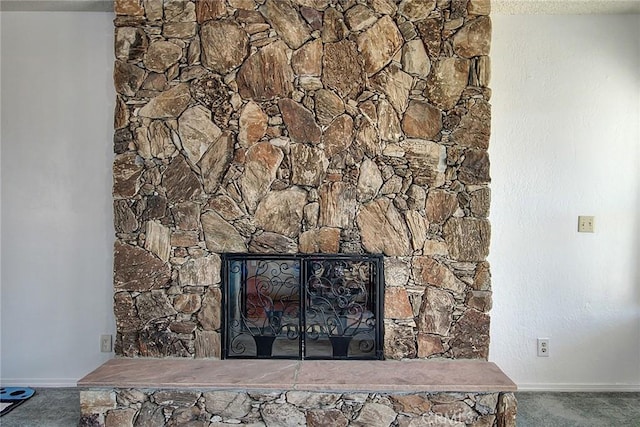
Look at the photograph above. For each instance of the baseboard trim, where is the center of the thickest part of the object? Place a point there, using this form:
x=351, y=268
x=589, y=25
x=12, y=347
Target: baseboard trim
x=580, y=387
x=39, y=382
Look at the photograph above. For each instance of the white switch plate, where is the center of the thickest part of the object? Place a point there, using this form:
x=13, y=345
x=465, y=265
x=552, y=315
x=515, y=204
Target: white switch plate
x=585, y=224
x=106, y=343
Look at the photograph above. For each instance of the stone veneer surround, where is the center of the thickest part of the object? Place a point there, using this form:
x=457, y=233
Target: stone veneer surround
x=283, y=126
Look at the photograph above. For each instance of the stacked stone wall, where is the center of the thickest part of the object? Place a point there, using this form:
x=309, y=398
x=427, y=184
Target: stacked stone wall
x=284, y=126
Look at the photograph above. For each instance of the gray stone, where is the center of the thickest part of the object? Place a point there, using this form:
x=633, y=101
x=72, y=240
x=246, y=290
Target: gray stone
x=308, y=165
x=137, y=270
x=281, y=211
x=253, y=124
x=382, y=228
x=197, y=131
x=396, y=271
x=120, y=417
x=326, y=418
x=261, y=163
x=375, y=415
x=396, y=84
x=224, y=45
x=266, y=74
x=161, y=55
x=169, y=104
x=289, y=25
x=310, y=400
x=282, y=415
x=150, y=415
x=215, y=161
x=436, y=312
x=300, y=122
x=219, y=235
x=342, y=68
x=180, y=182
x=228, y=404
x=379, y=44
x=447, y=80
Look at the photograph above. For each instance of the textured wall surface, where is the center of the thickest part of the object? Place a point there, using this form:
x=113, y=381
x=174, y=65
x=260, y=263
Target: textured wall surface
x=302, y=126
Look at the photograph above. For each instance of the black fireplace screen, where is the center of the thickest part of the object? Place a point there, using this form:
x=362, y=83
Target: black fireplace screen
x=303, y=306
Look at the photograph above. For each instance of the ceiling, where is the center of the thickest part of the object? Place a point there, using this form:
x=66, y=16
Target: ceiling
x=500, y=7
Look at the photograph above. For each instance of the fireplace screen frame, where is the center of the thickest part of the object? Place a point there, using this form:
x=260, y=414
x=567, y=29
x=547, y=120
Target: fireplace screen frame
x=336, y=299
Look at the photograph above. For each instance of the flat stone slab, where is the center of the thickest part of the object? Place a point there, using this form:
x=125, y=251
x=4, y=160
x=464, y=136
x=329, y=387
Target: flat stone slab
x=407, y=376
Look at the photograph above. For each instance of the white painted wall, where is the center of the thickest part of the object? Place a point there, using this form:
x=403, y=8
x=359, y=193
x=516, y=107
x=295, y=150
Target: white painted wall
x=57, y=232
x=566, y=142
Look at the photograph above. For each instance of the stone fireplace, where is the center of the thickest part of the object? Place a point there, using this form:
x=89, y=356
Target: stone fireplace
x=306, y=126
x=353, y=127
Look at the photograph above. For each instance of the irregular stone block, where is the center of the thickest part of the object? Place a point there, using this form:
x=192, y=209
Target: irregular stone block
x=396, y=303
x=289, y=25
x=224, y=45
x=207, y=344
x=228, y=404
x=120, y=417
x=359, y=17
x=127, y=169
x=507, y=410
x=207, y=10
x=216, y=160
x=436, y=312
x=130, y=44
x=417, y=228
x=382, y=228
x=186, y=215
x=253, y=124
x=338, y=136
x=153, y=305
x=429, y=345
x=422, y=120
x=261, y=163
x=440, y=205
x=219, y=235
x=474, y=129
x=426, y=160
x=471, y=336
x=307, y=61
x=475, y=167
x=411, y=403
x=428, y=271
x=137, y=270
x=328, y=106
x=375, y=414
x=282, y=414
x=326, y=418
x=369, y=181
x=337, y=204
x=203, y=271
x=467, y=238
x=323, y=240
x=333, y=28
x=161, y=55
x=342, y=68
x=210, y=310
x=158, y=240
x=180, y=182
x=430, y=31
x=310, y=400
x=197, y=131
x=266, y=74
x=300, y=122
x=273, y=243
x=448, y=78
x=169, y=104
x=396, y=84
x=127, y=78
x=281, y=211
x=379, y=44
x=474, y=38
x=415, y=59
x=416, y=10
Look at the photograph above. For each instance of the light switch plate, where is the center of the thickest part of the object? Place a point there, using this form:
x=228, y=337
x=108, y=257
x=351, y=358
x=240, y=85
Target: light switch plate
x=585, y=224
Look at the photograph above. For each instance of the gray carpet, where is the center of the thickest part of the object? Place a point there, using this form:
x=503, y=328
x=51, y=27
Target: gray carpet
x=59, y=407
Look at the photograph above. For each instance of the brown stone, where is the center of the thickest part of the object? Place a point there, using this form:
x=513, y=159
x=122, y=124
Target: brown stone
x=388, y=123
x=446, y=82
x=426, y=160
x=396, y=271
x=428, y=271
x=127, y=169
x=169, y=104
x=471, y=336
x=180, y=182
x=430, y=31
x=396, y=84
x=156, y=142
x=474, y=38
x=219, y=235
x=475, y=167
x=308, y=165
x=482, y=278
x=215, y=161
x=479, y=7
x=300, y=122
x=124, y=220
x=226, y=207
x=480, y=202
x=203, y=271
x=359, y=17
x=415, y=59
x=507, y=410
x=369, y=181
x=429, y=345
x=475, y=126
x=367, y=138
x=436, y=312
x=458, y=411
x=273, y=243
x=415, y=10
x=266, y=74
x=128, y=7
x=153, y=305
x=382, y=228
x=127, y=319
x=396, y=304
x=120, y=417
x=342, y=68
x=379, y=44
x=187, y=303
x=209, y=9
x=185, y=239
x=211, y=92
x=207, y=344
x=417, y=227
x=197, y=131
x=422, y=120
x=307, y=61
x=467, y=238
x=158, y=240
x=127, y=78
x=161, y=55
x=137, y=270
x=333, y=29
x=210, y=312
x=328, y=106
x=411, y=403
x=326, y=418
x=399, y=343
x=281, y=211
x=479, y=300
x=121, y=114
x=282, y=414
x=337, y=204
x=186, y=215
x=179, y=30
x=261, y=163
x=312, y=16
x=338, y=136
x=323, y=240
x=440, y=205
x=224, y=45
x=289, y=25
x=253, y=124
x=130, y=44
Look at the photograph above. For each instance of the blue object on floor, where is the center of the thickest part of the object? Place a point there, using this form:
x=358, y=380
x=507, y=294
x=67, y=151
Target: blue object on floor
x=14, y=397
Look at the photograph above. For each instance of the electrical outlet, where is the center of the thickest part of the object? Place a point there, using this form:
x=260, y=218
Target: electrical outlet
x=585, y=224
x=105, y=343
x=543, y=347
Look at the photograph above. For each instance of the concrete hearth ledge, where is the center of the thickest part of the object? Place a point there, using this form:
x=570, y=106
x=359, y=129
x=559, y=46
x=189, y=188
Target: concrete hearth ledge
x=409, y=376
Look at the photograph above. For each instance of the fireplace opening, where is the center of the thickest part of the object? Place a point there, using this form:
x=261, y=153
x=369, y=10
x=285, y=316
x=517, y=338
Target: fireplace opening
x=303, y=306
